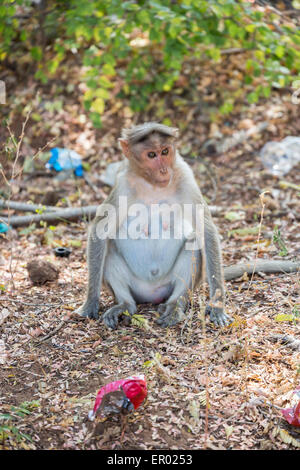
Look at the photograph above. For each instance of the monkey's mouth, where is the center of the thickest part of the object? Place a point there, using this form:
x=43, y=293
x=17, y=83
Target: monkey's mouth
x=164, y=182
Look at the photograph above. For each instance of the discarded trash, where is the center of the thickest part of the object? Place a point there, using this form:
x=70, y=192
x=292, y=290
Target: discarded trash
x=62, y=252
x=292, y=415
x=121, y=396
x=280, y=157
x=4, y=227
x=110, y=175
x=65, y=159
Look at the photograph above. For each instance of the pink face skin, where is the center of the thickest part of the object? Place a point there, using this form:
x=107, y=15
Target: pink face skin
x=158, y=164
x=153, y=162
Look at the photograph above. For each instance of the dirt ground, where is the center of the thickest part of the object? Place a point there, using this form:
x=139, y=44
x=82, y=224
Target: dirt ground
x=207, y=387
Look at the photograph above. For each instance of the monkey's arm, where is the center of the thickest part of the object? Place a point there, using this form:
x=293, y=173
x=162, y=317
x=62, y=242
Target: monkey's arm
x=265, y=266
x=214, y=271
x=96, y=252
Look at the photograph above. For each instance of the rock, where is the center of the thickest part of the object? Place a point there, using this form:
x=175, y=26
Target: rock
x=42, y=271
x=51, y=197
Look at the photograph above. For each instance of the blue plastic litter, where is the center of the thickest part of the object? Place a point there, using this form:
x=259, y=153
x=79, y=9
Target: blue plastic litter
x=4, y=227
x=65, y=159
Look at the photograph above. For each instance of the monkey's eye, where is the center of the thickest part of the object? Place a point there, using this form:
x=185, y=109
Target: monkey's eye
x=165, y=151
x=151, y=154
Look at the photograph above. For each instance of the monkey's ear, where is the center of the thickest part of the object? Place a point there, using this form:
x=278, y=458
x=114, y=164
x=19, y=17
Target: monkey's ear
x=124, y=146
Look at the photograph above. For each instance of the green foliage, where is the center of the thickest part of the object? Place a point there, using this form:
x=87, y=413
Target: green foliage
x=10, y=421
x=279, y=243
x=145, y=44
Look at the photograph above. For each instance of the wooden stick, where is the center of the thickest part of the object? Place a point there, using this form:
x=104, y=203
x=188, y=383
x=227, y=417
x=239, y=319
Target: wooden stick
x=61, y=214
x=24, y=207
x=54, y=213
x=266, y=266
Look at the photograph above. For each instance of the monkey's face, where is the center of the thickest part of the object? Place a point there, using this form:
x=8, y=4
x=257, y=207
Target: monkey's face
x=152, y=157
x=156, y=163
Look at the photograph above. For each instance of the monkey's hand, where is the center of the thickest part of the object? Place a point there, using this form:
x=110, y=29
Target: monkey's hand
x=111, y=317
x=89, y=309
x=170, y=314
x=218, y=316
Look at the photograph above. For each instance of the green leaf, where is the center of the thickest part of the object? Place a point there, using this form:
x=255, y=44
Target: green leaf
x=96, y=120
x=75, y=243
x=130, y=6
x=148, y=363
x=23, y=35
x=108, y=69
x=266, y=91
x=241, y=232
x=105, y=83
x=226, y=107
x=233, y=216
x=214, y=53
x=252, y=97
x=280, y=51
x=36, y=53
x=260, y=55
x=140, y=321
x=286, y=317
x=6, y=416
x=98, y=105
x=102, y=93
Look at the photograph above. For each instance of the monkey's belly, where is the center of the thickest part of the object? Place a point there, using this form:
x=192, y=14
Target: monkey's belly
x=144, y=292
x=150, y=260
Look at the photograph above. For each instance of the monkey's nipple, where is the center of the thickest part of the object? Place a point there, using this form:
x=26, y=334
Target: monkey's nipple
x=154, y=272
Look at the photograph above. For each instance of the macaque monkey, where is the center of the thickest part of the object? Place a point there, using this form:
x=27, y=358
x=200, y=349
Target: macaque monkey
x=159, y=270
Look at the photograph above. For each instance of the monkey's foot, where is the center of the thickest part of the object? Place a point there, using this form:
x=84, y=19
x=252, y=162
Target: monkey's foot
x=170, y=314
x=89, y=309
x=218, y=316
x=111, y=317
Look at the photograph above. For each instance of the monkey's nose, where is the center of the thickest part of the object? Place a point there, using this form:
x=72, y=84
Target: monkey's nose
x=154, y=272
x=163, y=171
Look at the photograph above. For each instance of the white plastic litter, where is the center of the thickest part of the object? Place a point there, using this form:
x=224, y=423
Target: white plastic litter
x=280, y=157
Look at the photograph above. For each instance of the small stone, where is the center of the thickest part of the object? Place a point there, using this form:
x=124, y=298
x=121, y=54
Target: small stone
x=42, y=271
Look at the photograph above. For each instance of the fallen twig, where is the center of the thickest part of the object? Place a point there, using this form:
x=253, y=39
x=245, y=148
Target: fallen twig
x=39, y=304
x=266, y=266
x=287, y=340
x=53, y=332
x=24, y=207
x=61, y=214
x=53, y=214
x=90, y=184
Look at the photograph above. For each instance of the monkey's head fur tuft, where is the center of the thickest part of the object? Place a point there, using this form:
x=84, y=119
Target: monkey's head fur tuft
x=138, y=133
x=151, y=150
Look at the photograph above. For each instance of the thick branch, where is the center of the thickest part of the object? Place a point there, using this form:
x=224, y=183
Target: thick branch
x=22, y=206
x=53, y=214
x=265, y=266
x=62, y=214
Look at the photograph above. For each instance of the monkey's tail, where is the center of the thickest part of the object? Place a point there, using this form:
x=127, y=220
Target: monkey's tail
x=265, y=266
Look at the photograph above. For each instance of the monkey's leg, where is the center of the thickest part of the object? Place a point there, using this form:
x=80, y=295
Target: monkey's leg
x=215, y=276
x=111, y=317
x=185, y=274
x=96, y=254
x=117, y=276
x=172, y=312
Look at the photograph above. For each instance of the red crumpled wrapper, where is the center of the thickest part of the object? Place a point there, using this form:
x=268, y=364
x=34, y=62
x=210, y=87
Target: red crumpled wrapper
x=292, y=415
x=112, y=397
